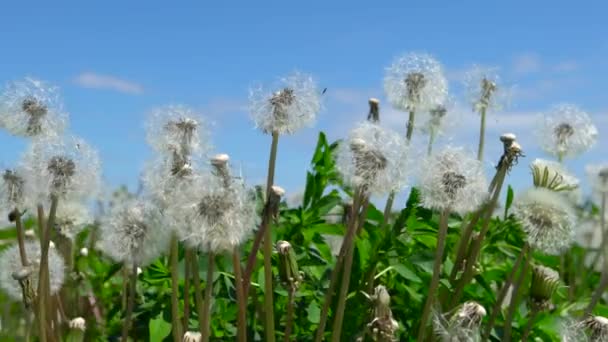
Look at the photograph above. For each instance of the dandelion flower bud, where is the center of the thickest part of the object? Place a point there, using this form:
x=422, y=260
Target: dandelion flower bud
x=462, y=325
x=289, y=272
x=192, y=336
x=71, y=218
x=10, y=264
x=32, y=108
x=12, y=187
x=552, y=176
x=374, y=159
x=134, y=232
x=383, y=327
x=566, y=131
x=598, y=177
x=178, y=132
x=65, y=168
x=484, y=89
x=453, y=180
x=544, y=283
x=546, y=218
x=293, y=104
x=415, y=82
x=508, y=138
x=84, y=251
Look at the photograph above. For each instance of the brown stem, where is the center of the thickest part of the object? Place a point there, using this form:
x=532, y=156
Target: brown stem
x=597, y=295
x=20, y=237
x=187, y=271
x=44, y=301
x=240, y=296
x=515, y=296
x=206, y=328
x=463, y=244
x=530, y=324
x=290, y=314
x=175, y=320
x=130, y=303
x=198, y=295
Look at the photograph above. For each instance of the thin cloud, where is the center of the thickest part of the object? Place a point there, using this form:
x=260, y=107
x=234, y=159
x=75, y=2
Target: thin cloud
x=527, y=63
x=98, y=81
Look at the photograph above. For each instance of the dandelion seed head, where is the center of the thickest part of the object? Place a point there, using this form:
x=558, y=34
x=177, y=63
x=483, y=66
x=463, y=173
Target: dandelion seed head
x=67, y=168
x=71, y=218
x=32, y=108
x=485, y=90
x=293, y=103
x=566, y=131
x=552, y=175
x=374, y=158
x=12, y=188
x=10, y=263
x=161, y=181
x=415, y=82
x=546, y=218
x=461, y=325
x=134, y=232
x=598, y=177
x=453, y=180
x=597, y=327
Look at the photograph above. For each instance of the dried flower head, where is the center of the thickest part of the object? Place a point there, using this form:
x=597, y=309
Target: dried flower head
x=12, y=191
x=461, y=325
x=484, y=89
x=566, y=131
x=546, y=218
x=289, y=272
x=382, y=327
x=292, y=104
x=134, y=233
x=544, y=283
x=192, y=336
x=65, y=168
x=453, y=180
x=553, y=176
x=374, y=158
x=415, y=82
x=598, y=177
x=78, y=323
x=11, y=268
x=177, y=132
x=71, y=218
x=215, y=213
x=32, y=108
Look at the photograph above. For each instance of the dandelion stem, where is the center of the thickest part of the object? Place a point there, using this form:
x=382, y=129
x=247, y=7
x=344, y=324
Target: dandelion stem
x=206, y=328
x=291, y=293
x=356, y=224
x=482, y=133
x=43, y=277
x=530, y=324
x=515, y=294
x=240, y=296
x=429, y=148
x=503, y=292
x=130, y=303
x=338, y=267
x=268, y=247
x=20, y=237
x=187, y=282
x=198, y=296
x=604, y=277
x=175, y=320
x=443, y=231
x=463, y=243
x=410, y=125
x=125, y=286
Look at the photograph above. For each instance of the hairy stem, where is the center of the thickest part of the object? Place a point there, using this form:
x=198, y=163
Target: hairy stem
x=426, y=312
x=198, y=295
x=240, y=296
x=175, y=320
x=290, y=314
x=482, y=133
x=206, y=328
x=130, y=303
x=597, y=295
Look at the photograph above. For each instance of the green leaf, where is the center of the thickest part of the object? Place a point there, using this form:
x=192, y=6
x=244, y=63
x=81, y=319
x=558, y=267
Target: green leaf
x=159, y=329
x=314, y=313
x=309, y=190
x=509, y=200
x=406, y=273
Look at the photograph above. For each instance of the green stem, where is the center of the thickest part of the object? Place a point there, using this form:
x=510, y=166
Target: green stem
x=20, y=237
x=41, y=307
x=515, y=296
x=426, y=312
x=130, y=303
x=597, y=295
x=482, y=133
x=290, y=314
x=175, y=320
x=410, y=125
x=206, y=328
x=268, y=247
x=198, y=296
x=530, y=324
x=240, y=297
x=187, y=282
x=429, y=148
x=43, y=277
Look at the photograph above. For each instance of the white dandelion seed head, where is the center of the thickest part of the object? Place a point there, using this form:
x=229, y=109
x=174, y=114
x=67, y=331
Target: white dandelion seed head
x=589, y=329
x=566, y=131
x=134, y=232
x=212, y=215
x=32, y=108
x=178, y=132
x=453, y=180
x=415, y=82
x=484, y=89
x=67, y=168
x=598, y=177
x=293, y=103
x=552, y=175
x=461, y=325
x=547, y=219
x=78, y=323
x=71, y=218
x=163, y=181
x=10, y=263
x=374, y=158
x=192, y=336
x=12, y=190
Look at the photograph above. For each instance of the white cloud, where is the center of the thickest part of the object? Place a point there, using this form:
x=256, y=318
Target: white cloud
x=99, y=81
x=526, y=63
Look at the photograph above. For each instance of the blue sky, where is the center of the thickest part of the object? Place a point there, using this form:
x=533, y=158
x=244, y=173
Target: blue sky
x=116, y=60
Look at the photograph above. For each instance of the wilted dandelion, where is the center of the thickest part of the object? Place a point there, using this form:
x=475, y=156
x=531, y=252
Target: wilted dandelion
x=32, y=108
x=12, y=190
x=566, y=131
x=383, y=326
x=374, y=158
x=461, y=326
x=546, y=218
x=134, y=233
x=553, y=176
x=292, y=104
x=71, y=218
x=11, y=268
x=452, y=180
x=415, y=82
x=64, y=168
